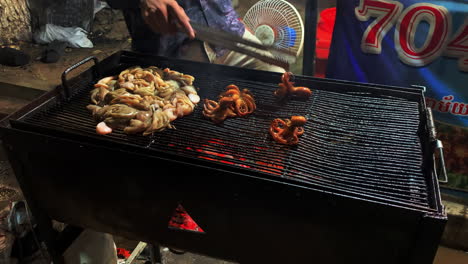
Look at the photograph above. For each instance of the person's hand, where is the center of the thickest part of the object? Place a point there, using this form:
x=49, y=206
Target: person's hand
x=166, y=16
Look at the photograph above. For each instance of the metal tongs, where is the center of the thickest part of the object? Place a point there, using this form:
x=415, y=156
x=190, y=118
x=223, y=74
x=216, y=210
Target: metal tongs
x=269, y=54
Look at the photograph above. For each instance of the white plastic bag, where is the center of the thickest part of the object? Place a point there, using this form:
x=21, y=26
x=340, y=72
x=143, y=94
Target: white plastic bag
x=75, y=36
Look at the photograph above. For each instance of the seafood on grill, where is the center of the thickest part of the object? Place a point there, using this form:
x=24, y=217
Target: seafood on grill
x=142, y=100
x=182, y=103
x=233, y=102
x=101, y=88
x=287, y=88
x=287, y=131
x=112, y=116
x=244, y=103
x=185, y=79
x=219, y=111
x=140, y=123
x=103, y=129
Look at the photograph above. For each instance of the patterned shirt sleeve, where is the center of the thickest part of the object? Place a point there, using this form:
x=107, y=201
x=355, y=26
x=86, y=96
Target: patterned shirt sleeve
x=218, y=14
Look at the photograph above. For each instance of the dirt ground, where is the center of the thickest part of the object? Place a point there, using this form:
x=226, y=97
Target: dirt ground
x=109, y=35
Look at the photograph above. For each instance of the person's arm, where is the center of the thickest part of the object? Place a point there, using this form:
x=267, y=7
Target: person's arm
x=166, y=16
x=162, y=16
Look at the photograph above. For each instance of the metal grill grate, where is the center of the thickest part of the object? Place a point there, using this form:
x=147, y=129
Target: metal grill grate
x=355, y=143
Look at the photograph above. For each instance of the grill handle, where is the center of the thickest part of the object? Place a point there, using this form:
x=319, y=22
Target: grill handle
x=439, y=169
x=65, y=84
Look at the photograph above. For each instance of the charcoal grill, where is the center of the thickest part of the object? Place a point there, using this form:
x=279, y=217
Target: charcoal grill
x=360, y=187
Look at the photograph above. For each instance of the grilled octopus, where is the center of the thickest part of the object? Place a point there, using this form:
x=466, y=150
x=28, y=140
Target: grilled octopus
x=244, y=103
x=287, y=88
x=287, y=131
x=232, y=102
x=218, y=112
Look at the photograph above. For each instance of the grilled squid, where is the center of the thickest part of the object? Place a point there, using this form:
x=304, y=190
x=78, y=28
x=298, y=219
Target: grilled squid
x=185, y=79
x=192, y=94
x=180, y=104
x=102, y=88
x=142, y=100
x=103, y=129
x=287, y=131
x=287, y=88
x=140, y=123
x=112, y=116
x=160, y=122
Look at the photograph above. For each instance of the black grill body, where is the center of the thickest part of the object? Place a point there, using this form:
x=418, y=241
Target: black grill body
x=359, y=187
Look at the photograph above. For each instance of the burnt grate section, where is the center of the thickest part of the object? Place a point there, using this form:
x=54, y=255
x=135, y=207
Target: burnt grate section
x=360, y=144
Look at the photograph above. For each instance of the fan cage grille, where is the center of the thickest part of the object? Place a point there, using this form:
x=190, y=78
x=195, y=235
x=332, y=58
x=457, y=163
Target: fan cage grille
x=280, y=15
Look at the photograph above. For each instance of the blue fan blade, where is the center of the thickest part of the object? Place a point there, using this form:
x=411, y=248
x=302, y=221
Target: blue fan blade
x=291, y=35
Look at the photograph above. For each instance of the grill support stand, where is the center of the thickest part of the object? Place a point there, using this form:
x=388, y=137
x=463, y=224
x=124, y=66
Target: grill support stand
x=154, y=249
x=425, y=241
x=46, y=233
x=56, y=243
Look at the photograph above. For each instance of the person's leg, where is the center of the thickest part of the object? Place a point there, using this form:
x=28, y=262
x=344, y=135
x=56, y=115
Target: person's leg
x=241, y=60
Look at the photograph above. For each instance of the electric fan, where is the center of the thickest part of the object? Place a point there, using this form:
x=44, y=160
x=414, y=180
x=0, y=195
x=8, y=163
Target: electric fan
x=276, y=23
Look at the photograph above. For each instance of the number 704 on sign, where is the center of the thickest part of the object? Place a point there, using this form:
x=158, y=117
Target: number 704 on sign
x=438, y=42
